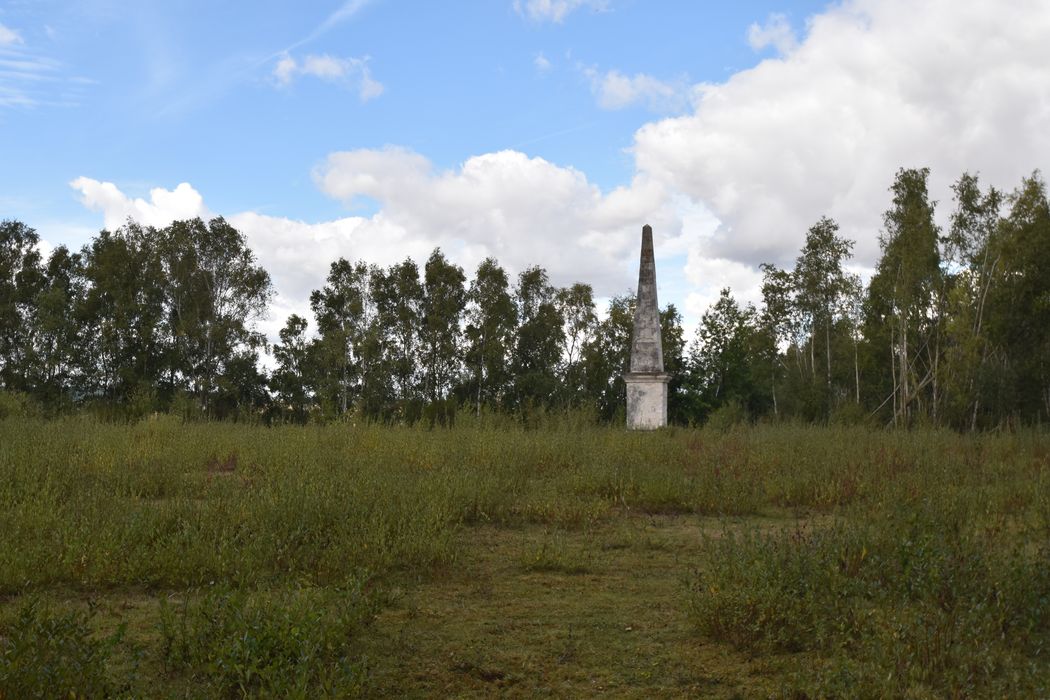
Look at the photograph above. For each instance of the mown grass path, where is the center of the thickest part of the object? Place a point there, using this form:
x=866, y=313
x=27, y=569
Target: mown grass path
x=566, y=613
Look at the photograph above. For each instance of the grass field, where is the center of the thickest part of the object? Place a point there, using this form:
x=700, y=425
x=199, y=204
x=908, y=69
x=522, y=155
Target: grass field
x=211, y=560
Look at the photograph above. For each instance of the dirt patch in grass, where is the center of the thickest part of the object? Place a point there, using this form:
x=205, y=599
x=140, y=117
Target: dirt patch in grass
x=603, y=615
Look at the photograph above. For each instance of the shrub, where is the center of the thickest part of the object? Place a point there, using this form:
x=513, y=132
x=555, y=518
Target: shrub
x=46, y=654
x=13, y=404
x=285, y=644
x=901, y=603
x=851, y=413
x=727, y=417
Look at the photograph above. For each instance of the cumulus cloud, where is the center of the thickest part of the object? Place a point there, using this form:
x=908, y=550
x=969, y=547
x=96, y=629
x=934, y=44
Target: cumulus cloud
x=8, y=36
x=616, y=90
x=542, y=63
x=776, y=32
x=163, y=207
x=520, y=210
x=709, y=275
x=874, y=86
x=555, y=10
x=351, y=72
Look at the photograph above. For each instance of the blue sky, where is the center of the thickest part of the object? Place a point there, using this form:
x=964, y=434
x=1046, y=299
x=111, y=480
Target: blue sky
x=185, y=92
x=538, y=131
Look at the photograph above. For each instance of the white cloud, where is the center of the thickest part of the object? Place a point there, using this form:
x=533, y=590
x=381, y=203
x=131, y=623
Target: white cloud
x=776, y=32
x=285, y=70
x=874, y=86
x=520, y=210
x=328, y=67
x=709, y=275
x=542, y=63
x=616, y=90
x=555, y=10
x=9, y=37
x=163, y=207
x=352, y=72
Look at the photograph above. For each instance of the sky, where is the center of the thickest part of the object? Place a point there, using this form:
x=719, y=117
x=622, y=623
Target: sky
x=539, y=132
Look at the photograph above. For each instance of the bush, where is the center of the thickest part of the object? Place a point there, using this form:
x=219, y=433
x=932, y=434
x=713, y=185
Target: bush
x=725, y=418
x=851, y=413
x=14, y=404
x=288, y=644
x=44, y=654
x=904, y=604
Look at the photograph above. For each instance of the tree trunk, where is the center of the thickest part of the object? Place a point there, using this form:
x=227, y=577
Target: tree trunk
x=773, y=385
x=856, y=366
x=827, y=351
x=893, y=378
x=481, y=370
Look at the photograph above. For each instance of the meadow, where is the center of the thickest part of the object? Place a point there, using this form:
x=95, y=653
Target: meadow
x=171, y=559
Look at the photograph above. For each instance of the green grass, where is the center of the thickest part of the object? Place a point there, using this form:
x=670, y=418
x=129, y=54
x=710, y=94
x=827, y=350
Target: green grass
x=172, y=559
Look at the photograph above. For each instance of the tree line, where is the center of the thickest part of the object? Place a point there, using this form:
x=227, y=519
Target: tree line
x=953, y=329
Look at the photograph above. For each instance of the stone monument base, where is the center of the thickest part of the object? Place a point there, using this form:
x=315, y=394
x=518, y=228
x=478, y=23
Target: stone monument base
x=646, y=400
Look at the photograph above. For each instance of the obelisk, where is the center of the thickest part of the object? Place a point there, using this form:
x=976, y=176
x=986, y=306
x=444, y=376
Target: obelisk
x=647, y=381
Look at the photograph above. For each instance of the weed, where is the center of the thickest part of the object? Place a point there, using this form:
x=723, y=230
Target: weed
x=285, y=644
x=922, y=568
x=553, y=555
x=901, y=602
x=44, y=653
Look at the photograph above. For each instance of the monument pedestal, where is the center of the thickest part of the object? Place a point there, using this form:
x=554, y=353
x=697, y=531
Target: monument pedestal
x=646, y=399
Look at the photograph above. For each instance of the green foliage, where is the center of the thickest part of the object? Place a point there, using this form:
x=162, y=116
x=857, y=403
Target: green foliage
x=906, y=296
x=551, y=554
x=444, y=299
x=576, y=306
x=537, y=347
x=213, y=291
x=14, y=404
x=342, y=309
x=918, y=564
x=291, y=378
x=726, y=417
x=49, y=654
x=724, y=359
x=606, y=356
x=296, y=643
x=850, y=413
x=20, y=280
x=491, y=322
x=398, y=295
x=899, y=602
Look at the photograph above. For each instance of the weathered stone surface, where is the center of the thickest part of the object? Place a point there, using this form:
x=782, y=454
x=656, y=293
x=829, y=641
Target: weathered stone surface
x=647, y=381
x=646, y=400
x=647, y=353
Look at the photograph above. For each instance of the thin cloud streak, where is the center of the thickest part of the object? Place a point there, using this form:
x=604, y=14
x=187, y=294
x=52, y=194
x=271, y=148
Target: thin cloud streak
x=553, y=134
x=345, y=12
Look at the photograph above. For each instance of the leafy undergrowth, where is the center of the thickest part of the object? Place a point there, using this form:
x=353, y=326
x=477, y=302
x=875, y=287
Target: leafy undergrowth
x=174, y=560
x=290, y=643
x=904, y=603
x=57, y=653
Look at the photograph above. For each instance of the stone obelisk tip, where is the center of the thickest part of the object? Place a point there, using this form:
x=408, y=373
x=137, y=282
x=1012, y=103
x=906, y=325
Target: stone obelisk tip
x=647, y=381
